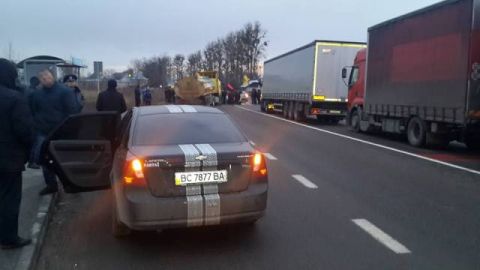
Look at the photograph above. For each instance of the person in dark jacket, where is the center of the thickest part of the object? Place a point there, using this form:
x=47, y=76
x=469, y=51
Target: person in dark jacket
x=111, y=99
x=50, y=106
x=34, y=86
x=137, y=93
x=15, y=140
x=71, y=82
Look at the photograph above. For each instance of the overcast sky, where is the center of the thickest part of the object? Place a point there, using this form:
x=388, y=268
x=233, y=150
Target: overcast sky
x=117, y=31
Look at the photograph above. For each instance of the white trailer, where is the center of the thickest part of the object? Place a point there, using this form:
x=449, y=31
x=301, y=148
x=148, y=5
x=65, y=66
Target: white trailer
x=306, y=81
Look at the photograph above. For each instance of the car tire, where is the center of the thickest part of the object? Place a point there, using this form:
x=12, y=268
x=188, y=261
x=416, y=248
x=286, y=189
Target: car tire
x=417, y=132
x=119, y=230
x=355, y=121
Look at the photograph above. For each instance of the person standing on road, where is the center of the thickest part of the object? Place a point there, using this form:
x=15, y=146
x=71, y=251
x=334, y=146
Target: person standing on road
x=111, y=99
x=137, y=93
x=147, y=97
x=34, y=86
x=259, y=95
x=50, y=106
x=254, y=96
x=71, y=82
x=16, y=137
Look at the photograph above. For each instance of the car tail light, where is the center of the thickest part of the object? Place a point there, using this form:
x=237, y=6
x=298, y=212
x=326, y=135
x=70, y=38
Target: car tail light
x=259, y=166
x=133, y=173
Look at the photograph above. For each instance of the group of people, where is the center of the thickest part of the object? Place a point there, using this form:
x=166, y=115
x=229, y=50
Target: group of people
x=144, y=95
x=27, y=117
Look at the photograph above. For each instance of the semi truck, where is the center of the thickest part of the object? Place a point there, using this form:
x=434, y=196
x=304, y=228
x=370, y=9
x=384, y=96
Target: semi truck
x=420, y=76
x=306, y=81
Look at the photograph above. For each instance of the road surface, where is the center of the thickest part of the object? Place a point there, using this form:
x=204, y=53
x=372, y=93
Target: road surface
x=337, y=200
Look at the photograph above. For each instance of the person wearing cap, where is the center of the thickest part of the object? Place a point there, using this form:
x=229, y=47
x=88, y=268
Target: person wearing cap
x=111, y=99
x=71, y=82
x=16, y=136
x=50, y=106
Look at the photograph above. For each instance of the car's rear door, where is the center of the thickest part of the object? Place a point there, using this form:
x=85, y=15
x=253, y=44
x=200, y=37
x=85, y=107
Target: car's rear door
x=80, y=151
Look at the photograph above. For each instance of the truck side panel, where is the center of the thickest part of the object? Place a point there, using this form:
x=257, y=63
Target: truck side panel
x=290, y=76
x=474, y=93
x=417, y=65
x=331, y=58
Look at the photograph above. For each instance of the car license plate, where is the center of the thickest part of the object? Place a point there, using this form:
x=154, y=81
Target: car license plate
x=196, y=178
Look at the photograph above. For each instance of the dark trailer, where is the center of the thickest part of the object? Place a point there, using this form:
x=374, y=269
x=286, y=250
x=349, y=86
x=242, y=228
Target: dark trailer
x=426, y=64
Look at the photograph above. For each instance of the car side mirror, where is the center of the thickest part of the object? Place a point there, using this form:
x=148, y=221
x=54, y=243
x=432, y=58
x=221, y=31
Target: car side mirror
x=344, y=73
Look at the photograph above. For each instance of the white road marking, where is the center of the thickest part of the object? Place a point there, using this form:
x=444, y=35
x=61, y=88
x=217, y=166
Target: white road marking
x=304, y=181
x=381, y=236
x=252, y=143
x=270, y=156
x=370, y=143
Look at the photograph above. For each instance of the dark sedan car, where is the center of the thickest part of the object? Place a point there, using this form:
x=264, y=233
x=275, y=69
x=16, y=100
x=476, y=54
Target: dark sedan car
x=169, y=166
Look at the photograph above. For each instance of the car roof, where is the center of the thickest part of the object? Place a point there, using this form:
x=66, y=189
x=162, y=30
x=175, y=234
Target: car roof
x=176, y=109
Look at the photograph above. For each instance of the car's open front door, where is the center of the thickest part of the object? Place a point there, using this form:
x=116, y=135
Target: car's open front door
x=80, y=151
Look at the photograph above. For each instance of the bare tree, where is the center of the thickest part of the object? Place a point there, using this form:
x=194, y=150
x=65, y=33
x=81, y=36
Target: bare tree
x=233, y=56
x=178, y=63
x=194, y=63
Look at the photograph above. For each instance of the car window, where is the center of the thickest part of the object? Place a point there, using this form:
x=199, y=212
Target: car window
x=168, y=129
x=123, y=128
x=87, y=127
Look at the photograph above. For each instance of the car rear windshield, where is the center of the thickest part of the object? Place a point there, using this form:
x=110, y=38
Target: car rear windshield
x=185, y=128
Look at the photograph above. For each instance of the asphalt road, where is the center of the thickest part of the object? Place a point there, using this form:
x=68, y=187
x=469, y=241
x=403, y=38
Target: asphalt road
x=335, y=202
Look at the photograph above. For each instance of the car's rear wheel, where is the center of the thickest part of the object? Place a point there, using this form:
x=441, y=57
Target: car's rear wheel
x=417, y=132
x=119, y=230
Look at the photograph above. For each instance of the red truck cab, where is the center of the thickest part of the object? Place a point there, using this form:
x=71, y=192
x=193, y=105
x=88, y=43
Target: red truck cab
x=356, y=81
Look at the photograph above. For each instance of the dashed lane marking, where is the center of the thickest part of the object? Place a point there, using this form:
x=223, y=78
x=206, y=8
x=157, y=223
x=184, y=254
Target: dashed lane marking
x=270, y=156
x=381, y=236
x=304, y=181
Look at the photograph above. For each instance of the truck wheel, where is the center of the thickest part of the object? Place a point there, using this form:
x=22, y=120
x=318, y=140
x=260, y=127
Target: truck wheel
x=355, y=121
x=416, y=132
x=291, y=110
x=334, y=121
x=285, y=110
x=119, y=230
x=298, y=115
x=472, y=142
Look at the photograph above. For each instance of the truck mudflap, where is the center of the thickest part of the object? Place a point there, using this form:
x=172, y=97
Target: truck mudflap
x=329, y=108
